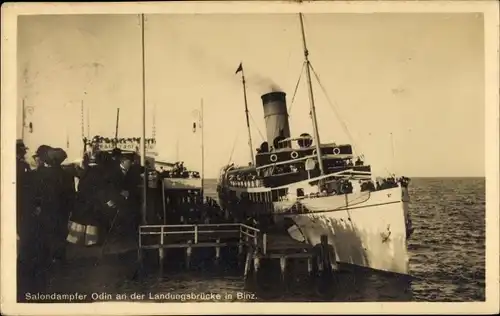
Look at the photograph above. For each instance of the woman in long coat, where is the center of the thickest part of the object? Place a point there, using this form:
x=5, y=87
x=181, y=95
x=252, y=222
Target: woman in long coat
x=95, y=197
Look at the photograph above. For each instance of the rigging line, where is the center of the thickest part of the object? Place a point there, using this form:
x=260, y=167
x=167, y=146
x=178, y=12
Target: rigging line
x=296, y=88
x=344, y=126
x=255, y=124
x=234, y=146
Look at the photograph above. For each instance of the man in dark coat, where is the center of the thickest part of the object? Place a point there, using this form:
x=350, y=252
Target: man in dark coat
x=125, y=180
x=53, y=197
x=39, y=205
x=26, y=224
x=116, y=154
x=56, y=158
x=22, y=181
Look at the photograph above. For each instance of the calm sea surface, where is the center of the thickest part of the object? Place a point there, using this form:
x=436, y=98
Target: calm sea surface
x=447, y=261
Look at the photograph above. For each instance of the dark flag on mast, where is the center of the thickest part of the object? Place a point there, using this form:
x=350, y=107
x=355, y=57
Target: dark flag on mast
x=240, y=68
x=198, y=119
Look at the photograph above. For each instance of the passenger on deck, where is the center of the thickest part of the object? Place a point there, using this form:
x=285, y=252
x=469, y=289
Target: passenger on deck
x=359, y=162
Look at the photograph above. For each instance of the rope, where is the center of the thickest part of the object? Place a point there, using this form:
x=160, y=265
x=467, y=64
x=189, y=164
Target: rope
x=344, y=126
x=296, y=88
x=82, y=120
x=232, y=151
x=255, y=124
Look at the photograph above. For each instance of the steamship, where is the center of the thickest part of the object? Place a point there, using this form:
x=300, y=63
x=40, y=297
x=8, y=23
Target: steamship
x=308, y=189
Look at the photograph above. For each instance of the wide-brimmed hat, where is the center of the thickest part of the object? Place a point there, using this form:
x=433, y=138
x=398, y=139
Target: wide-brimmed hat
x=42, y=153
x=56, y=156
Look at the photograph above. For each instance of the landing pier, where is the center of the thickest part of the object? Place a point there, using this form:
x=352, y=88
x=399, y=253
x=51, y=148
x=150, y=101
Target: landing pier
x=250, y=248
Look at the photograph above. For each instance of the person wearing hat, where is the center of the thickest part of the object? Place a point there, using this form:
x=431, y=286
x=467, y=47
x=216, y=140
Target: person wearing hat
x=90, y=204
x=21, y=178
x=65, y=179
x=41, y=156
x=26, y=253
x=116, y=153
x=50, y=200
x=124, y=182
x=38, y=201
x=21, y=150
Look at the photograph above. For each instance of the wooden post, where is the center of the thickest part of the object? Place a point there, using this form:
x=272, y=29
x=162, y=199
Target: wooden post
x=247, y=262
x=163, y=202
x=240, y=243
x=139, y=248
x=325, y=256
x=161, y=251
x=283, y=268
x=217, y=252
x=264, y=243
x=256, y=266
x=189, y=251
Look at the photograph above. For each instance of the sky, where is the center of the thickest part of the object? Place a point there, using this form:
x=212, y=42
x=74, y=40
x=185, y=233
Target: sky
x=417, y=77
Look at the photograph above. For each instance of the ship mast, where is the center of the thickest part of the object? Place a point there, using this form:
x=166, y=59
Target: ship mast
x=116, y=128
x=153, y=132
x=311, y=98
x=143, y=129
x=240, y=68
x=82, y=122
x=24, y=120
x=88, y=123
x=202, y=149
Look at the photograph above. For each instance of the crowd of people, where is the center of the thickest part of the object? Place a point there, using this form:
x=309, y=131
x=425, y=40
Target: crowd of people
x=193, y=208
x=179, y=171
x=48, y=199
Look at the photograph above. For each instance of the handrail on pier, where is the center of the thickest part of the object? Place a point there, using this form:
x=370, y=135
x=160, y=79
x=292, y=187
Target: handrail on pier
x=247, y=234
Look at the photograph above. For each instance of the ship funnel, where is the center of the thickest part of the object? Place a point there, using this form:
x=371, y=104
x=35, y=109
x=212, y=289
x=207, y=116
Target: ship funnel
x=276, y=118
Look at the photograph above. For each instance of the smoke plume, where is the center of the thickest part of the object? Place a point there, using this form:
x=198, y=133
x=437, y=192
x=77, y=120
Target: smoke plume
x=262, y=84
x=255, y=82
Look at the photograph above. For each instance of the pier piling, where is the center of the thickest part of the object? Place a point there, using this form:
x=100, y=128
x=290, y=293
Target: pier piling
x=217, y=252
x=256, y=267
x=189, y=251
x=252, y=245
x=247, y=264
x=161, y=251
x=283, y=268
x=310, y=266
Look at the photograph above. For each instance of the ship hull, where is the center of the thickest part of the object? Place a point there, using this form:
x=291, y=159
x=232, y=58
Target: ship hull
x=370, y=232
